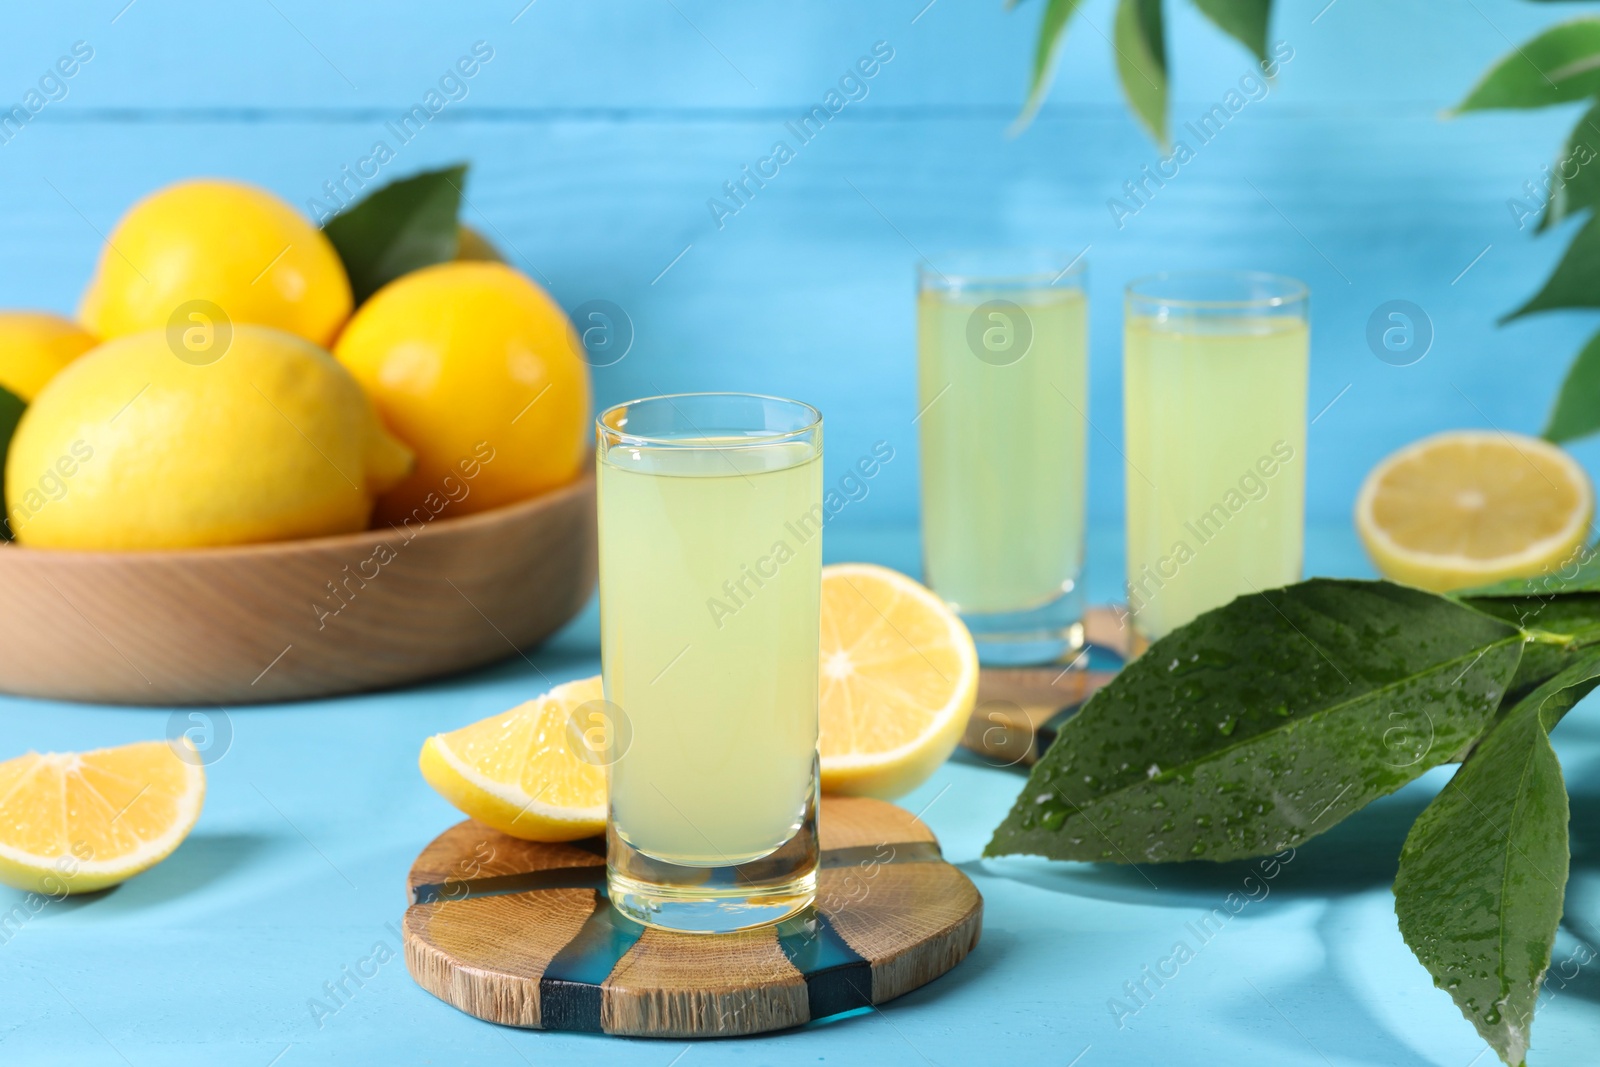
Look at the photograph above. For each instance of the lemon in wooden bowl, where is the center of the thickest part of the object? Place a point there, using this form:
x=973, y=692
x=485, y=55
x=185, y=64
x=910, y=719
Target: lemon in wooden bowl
x=34, y=347
x=477, y=369
x=147, y=444
x=214, y=247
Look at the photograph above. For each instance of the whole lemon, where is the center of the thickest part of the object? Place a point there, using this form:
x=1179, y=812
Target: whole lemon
x=34, y=346
x=478, y=370
x=136, y=447
x=216, y=248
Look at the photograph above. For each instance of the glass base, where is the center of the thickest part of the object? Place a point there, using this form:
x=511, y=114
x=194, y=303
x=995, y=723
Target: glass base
x=693, y=911
x=1050, y=633
x=722, y=897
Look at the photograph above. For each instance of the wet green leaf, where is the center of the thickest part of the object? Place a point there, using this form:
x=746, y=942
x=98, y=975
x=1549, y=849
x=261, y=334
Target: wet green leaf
x=1484, y=868
x=1571, y=616
x=1561, y=64
x=1567, y=625
x=405, y=225
x=1243, y=20
x=1139, y=36
x=1578, y=573
x=1263, y=723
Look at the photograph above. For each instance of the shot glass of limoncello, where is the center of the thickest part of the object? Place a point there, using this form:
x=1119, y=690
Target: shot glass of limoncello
x=1214, y=404
x=710, y=521
x=1003, y=382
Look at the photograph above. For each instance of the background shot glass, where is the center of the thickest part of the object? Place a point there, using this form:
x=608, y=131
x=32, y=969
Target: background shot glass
x=1003, y=382
x=710, y=513
x=1214, y=402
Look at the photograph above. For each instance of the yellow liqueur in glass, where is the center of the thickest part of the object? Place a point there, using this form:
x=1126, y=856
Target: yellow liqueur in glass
x=710, y=516
x=1214, y=401
x=1003, y=368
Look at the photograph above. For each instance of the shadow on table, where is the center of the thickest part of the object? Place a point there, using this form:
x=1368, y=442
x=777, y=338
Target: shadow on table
x=1360, y=853
x=1583, y=795
x=203, y=859
x=1569, y=975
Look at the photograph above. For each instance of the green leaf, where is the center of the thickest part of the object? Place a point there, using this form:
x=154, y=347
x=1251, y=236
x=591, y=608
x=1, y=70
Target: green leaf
x=11, y=408
x=1484, y=868
x=1575, y=176
x=1243, y=20
x=1577, y=409
x=1578, y=573
x=1263, y=723
x=1140, y=40
x=1052, y=34
x=1561, y=64
x=1566, y=617
x=1571, y=284
x=405, y=225
x=1564, y=627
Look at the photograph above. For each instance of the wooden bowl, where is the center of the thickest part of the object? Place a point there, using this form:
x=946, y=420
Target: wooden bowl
x=295, y=619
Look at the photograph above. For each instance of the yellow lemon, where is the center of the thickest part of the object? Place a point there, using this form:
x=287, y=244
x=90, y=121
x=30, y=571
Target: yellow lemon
x=207, y=248
x=145, y=443
x=479, y=371
x=899, y=679
x=530, y=772
x=1473, y=507
x=899, y=676
x=34, y=346
x=71, y=822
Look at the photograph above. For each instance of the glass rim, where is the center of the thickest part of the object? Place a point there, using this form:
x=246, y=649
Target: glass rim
x=813, y=421
x=1026, y=273
x=1290, y=290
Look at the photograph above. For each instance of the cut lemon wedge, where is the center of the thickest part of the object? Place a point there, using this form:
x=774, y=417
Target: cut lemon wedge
x=520, y=772
x=72, y=822
x=1472, y=507
x=899, y=677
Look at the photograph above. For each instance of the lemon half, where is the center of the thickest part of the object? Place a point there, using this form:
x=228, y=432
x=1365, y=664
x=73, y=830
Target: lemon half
x=1471, y=507
x=899, y=679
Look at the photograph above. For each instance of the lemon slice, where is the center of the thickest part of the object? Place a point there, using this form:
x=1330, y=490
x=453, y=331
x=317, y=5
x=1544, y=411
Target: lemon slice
x=1472, y=507
x=899, y=677
x=520, y=771
x=71, y=822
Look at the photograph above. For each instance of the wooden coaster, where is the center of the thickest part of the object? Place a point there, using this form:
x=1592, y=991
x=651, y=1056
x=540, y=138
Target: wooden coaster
x=1019, y=708
x=522, y=933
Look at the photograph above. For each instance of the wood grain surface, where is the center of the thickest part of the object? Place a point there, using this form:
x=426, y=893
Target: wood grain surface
x=523, y=934
x=1011, y=724
x=298, y=618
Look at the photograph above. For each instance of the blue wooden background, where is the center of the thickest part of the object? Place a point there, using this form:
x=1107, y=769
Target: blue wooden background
x=597, y=133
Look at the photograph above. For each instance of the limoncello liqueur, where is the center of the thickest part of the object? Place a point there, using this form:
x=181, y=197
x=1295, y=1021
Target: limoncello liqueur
x=710, y=589
x=1215, y=430
x=1003, y=396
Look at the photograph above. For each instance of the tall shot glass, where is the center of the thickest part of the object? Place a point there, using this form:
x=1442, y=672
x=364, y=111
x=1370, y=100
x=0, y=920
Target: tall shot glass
x=1214, y=402
x=710, y=513
x=1003, y=384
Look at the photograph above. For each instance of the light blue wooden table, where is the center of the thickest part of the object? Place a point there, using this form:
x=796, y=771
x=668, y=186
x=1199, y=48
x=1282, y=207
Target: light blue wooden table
x=296, y=874
x=598, y=133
